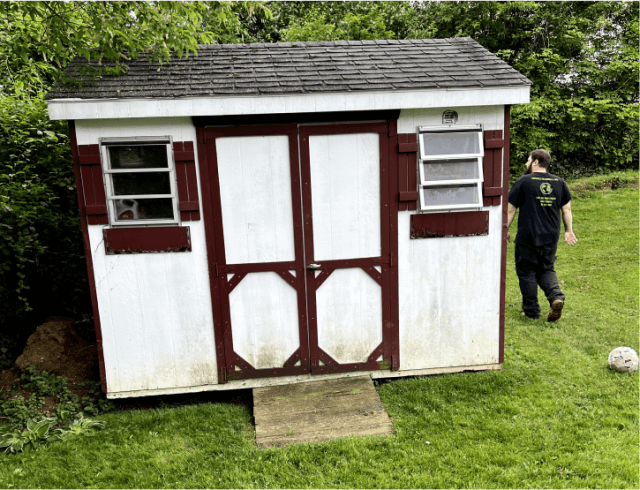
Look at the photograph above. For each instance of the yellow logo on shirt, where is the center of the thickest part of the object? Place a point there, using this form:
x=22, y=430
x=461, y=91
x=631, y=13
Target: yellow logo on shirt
x=546, y=188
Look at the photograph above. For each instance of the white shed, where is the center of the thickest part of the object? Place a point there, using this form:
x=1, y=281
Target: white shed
x=278, y=213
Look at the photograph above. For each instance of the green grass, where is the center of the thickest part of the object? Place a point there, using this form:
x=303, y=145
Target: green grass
x=555, y=416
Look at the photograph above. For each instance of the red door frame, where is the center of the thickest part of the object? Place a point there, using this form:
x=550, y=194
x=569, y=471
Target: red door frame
x=366, y=264
x=227, y=359
x=213, y=219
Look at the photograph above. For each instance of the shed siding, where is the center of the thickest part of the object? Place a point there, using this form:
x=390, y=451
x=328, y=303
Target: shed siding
x=449, y=288
x=155, y=309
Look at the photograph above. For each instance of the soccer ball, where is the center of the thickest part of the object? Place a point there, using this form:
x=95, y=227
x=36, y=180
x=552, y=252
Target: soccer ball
x=623, y=359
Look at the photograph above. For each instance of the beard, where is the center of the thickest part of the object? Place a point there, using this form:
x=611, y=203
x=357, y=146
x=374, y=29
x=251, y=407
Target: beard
x=529, y=170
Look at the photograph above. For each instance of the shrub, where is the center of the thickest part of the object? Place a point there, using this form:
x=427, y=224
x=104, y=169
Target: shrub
x=42, y=266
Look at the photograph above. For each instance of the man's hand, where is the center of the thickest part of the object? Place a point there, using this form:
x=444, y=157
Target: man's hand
x=570, y=238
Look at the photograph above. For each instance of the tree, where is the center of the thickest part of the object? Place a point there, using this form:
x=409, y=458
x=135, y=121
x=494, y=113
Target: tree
x=42, y=263
x=581, y=56
x=39, y=39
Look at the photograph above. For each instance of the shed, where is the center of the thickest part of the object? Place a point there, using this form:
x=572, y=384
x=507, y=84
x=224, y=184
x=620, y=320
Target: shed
x=266, y=214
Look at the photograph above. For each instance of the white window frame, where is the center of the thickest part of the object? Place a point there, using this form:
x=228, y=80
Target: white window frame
x=167, y=141
x=424, y=158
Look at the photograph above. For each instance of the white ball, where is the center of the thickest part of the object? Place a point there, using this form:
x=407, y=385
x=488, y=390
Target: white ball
x=623, y=359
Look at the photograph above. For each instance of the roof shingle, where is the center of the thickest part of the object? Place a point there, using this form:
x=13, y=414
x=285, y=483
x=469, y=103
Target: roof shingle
x=303, y=67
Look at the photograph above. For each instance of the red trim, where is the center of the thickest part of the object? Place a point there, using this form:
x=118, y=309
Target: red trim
x=183, y=156
x=295, y=357
x=348, y=368
x=189, y=206
x=147, y=240
x=234, y=281
x=259, y=267
x=87, y=252
x=403, y=181
x=187, y=180
x=215, y=222
x=96, y=209
x=492, y=185
x=408, y=147
x=407, y=158
x=505, y=197
x=394, y=299
x=389, y=326
x=439, y=225
x=212, y=209
x=412, y=170
x=492, y=191
x=377, y=352
x=493, y=143
x=267, y=373
x=408, y=196
x=210, y=233
x=86, y=159
x=92, y=184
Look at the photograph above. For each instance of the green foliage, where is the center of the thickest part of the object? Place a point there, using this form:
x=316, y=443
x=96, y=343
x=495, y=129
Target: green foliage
x=554, y=416
x=33, y=436
x=336, y=22
x=39, y=39
x=42, y=263
x=582, y=58
x=27, y=428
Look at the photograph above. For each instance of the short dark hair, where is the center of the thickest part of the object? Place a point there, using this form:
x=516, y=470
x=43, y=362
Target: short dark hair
x=543, y=157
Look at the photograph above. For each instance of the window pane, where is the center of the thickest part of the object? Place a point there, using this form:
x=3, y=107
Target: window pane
x=450, y=194
x=130, y=209
x=147, y=156
x=141, y=183
x=450, y=169
x=449, y=143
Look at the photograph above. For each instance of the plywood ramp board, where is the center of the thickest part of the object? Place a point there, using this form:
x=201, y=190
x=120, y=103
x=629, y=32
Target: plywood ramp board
x=318, y=411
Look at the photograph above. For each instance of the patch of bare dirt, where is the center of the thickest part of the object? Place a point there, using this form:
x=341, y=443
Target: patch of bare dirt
x=6, y=379
x=55, y=347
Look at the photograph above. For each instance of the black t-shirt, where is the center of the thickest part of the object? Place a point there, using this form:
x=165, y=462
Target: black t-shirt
x=539, y=196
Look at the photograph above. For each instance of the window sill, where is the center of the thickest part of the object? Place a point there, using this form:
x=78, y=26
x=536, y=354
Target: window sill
x=156, y=239
x=441, y=225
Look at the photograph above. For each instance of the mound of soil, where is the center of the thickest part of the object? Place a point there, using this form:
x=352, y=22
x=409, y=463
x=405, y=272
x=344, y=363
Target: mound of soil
x=56, y=347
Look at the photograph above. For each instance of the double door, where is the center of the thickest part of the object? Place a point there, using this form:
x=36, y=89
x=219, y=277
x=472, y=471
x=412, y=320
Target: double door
x=300, y=220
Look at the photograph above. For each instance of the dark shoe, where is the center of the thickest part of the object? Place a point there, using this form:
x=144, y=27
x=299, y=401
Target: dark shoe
x=556, y=310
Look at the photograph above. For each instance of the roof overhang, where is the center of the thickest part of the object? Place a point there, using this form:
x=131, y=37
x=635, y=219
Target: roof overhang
x=75, y=109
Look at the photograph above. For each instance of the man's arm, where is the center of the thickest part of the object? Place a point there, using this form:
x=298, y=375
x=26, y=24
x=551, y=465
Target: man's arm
x=567, y=218
x=511, y=213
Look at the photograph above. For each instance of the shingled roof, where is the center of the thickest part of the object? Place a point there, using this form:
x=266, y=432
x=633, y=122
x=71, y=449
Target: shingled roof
x=304, y=68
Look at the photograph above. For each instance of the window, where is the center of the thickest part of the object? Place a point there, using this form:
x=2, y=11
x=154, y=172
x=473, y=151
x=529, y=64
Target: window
x=140, y=180
x=450, y=167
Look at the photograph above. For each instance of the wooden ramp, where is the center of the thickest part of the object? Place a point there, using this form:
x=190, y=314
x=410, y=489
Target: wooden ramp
x=318, y=411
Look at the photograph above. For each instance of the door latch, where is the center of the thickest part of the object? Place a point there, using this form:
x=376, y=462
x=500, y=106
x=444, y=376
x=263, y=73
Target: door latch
x=313, y=267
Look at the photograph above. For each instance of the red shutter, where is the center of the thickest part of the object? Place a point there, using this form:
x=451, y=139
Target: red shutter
x=95, y=202
x=492, y=186
x=408, y=171
x=187, y=181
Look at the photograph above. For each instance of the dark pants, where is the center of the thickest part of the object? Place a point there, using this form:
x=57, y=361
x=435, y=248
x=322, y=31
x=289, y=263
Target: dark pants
x=534, y=266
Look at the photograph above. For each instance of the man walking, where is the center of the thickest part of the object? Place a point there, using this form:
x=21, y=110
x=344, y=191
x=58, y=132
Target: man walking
x=541, y=198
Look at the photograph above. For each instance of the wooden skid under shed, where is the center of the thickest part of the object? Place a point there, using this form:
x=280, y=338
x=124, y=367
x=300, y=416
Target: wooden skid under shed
x=318, y=411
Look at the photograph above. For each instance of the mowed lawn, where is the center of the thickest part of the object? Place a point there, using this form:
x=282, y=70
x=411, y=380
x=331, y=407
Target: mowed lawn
x=555, y=416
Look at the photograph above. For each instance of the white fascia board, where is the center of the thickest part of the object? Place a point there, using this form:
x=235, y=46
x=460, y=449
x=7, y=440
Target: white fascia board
x=73, y=109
